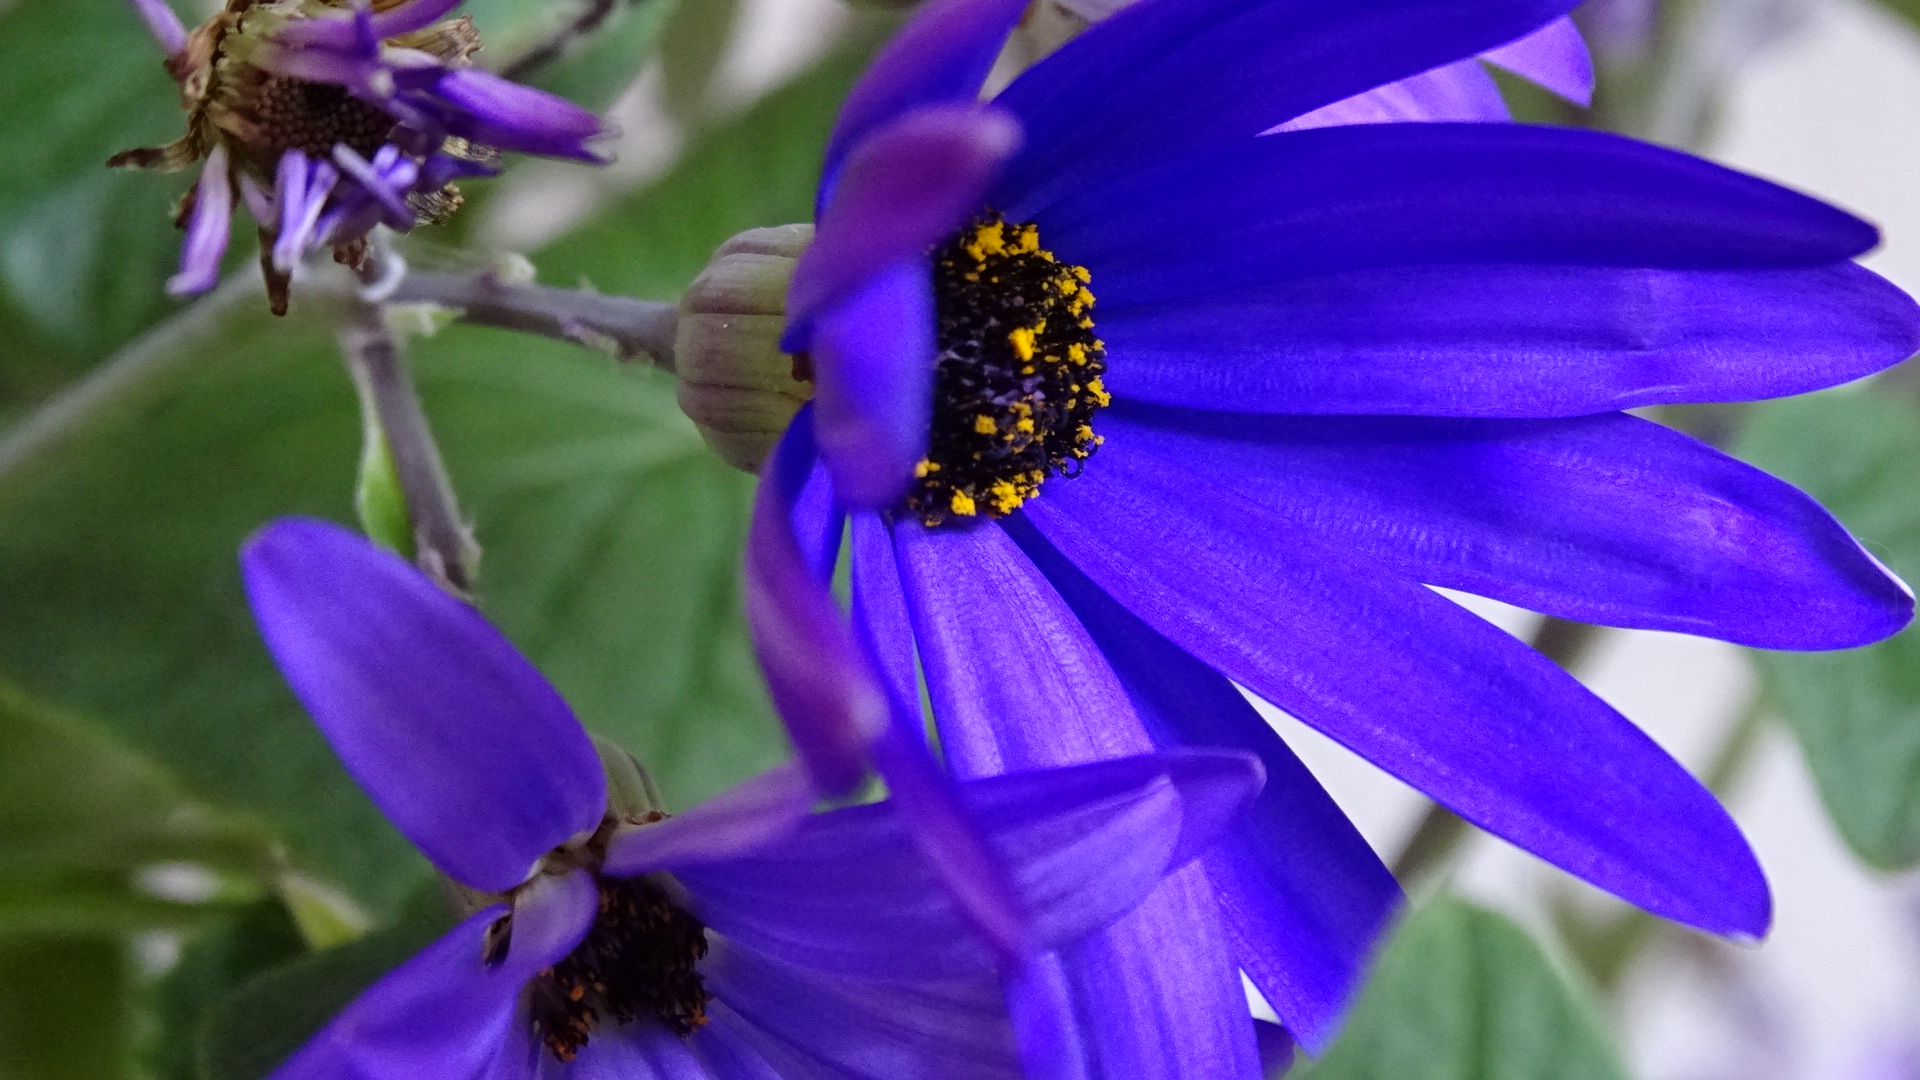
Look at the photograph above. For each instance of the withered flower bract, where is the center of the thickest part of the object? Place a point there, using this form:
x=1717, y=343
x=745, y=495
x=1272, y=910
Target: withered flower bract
x=327, y=118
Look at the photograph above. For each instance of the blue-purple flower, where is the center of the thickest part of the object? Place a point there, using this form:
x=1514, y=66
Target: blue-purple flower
x=328, y=117
x=1328, y=370
x=742, y=940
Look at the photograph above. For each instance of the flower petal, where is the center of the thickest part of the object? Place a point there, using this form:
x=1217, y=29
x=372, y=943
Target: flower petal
x=1509, y=340
x=502, y=113
x=644, y=1050
x=730, y=1055
x=1608, y=519
x=162, y=23
x=1159, y=993
x=1303, y=895
x=940, y=57
x=450, y=730
x=852, y=894
x=814, y=1026
x=1409, y=680
x=873, y=360
x=1162, y=79
x=208, y=229
x=904, y=188
x=744, y=819
x=820, y=681
x=446, y=1013
x=334, y=32
x=1461, y=90
x=1334, y=199
x=1554, y=56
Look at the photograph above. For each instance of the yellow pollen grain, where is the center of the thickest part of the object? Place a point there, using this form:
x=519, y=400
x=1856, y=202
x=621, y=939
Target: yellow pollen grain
x=962, y=504
x=1025, y=239
x=1021, y=338
x=984, y=425
x=1081, y=272
x=922, y=470
x=1024, y=426
x=988, y=240
x=1098, y=391
x=1077, y=353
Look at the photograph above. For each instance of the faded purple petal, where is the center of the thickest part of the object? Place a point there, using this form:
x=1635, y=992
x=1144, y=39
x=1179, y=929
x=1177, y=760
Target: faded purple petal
x=1608, y=519
x=1448, y=702
x=386, y=181
x=302, y=189
x=1555, y=56
x=446, y=1013
x=162, y=23
x=503, y=113
x=207, y=230
x=1336, y=199
x=1509, y=340
x=748, y=817
x=812, y=1026
x=467, y=749
x=851, y=893
x=905, y=187
x=820, y=681
x=873, y=361
x=939, y=57
x=729, y=1055
x=1303, y=895
x=1158, y=81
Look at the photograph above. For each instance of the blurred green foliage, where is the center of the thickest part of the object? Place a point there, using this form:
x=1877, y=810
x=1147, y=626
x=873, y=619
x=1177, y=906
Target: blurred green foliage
x=1462, y=993
x=1856, y=713
x=611, y=541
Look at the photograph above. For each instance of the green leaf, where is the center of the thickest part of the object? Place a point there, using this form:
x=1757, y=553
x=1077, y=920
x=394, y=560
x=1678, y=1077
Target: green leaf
x=66, y=1008
x=758, y=170
x=270, y=1016
x=612, y=535
x=1461, y=993
x=213, y=965
x=84, y=250
x=79, y=811
x=1856, y=713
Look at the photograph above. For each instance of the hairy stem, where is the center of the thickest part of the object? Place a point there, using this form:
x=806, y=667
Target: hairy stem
x=443, y=545
x=626, y=327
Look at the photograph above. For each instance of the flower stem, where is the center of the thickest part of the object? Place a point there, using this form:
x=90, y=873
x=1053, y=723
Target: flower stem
x=1441, y=832
x=592, y=14
x=626, y=327
x=443, y=545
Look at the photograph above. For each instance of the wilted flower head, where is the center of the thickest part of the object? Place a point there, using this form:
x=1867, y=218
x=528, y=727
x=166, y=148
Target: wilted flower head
x=328, y=117
x=746, y=939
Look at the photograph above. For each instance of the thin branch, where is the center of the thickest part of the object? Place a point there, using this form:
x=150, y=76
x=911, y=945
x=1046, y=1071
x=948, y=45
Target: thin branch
x=626, y=327
x=592, y=14
x=444, y=547
x=123, y=384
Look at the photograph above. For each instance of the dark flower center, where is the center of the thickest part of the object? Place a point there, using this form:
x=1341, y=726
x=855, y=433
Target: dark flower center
x=1019, y=373
x=637, y=961
x=312, y=117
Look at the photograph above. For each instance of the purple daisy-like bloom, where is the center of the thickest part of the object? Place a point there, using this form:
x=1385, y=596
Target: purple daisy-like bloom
x=1329, y=368
x=746, y=939
x=329, y=117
